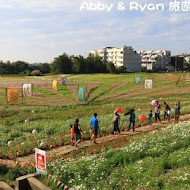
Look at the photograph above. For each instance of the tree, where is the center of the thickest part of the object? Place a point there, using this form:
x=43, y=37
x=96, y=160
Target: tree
x=89, y=64
x=44, y=67
x=20, y=66
x=6, y=68
x=94, y=64
x=61, y=64
x=111, y=67
x=78, y=64
x=121, y=69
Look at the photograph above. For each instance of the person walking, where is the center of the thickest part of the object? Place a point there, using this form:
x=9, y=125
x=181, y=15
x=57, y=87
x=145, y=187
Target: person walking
x=157, y=111
x=94, y=127
x=72, y=134
x=77, y=132
x=177, y=108
x=150, y=117
x=132, y=119
x=116, y=122
x=166, y=110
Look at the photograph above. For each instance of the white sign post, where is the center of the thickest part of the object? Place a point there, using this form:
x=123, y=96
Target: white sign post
x=27, y=89
x=148, y=84
x=40, y=157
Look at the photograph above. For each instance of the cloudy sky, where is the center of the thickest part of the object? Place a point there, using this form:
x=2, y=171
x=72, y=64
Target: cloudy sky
x=40, y=30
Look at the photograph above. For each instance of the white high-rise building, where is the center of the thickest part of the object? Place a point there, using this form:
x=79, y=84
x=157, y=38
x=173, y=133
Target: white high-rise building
x=125, y=57
x=155, y=60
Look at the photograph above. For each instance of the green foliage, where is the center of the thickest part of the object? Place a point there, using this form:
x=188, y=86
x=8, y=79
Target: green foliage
x=3, y=170
x=160, y=157
x=78, y=65
x=94, y=64
x=36, y=73
x=23, y=68
x=61, y=64
x=20, y=66
x=66, y=64
x=13, y=173
x=111, y=67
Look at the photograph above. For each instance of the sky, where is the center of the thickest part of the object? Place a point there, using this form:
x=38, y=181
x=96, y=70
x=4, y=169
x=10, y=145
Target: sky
x=40, y=30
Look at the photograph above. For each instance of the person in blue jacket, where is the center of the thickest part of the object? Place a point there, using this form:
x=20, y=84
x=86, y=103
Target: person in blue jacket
x=94, y=127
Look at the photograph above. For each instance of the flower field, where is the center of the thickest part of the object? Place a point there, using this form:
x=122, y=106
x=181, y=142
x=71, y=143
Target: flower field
x=157, y=161
x=51, y=112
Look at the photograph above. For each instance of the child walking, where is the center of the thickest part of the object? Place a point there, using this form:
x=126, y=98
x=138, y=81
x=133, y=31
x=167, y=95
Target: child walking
x=150, y=117
x=72, y=134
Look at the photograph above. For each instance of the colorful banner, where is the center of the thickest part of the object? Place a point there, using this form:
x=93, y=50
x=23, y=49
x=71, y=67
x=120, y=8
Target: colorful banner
x=54, y=84
x=148, y=84
x=40, y=157
x=27, y=89
x=81, y=94
x=12, y=96
x=137, y=80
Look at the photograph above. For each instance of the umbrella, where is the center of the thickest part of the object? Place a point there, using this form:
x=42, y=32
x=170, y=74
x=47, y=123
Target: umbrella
x=118, y=110
x=154, y=102
x=142, y=117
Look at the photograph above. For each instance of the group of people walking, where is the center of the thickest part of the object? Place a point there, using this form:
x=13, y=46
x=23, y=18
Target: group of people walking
x=76, y=130
x=167, y=112
x=94, y=123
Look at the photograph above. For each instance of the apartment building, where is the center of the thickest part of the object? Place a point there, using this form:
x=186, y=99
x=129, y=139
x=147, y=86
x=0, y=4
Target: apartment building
x=155, y=60
x=180, y=62
x=125, y=57
x=186, y=58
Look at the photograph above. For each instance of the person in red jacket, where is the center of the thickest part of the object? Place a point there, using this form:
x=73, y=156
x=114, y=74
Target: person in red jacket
x=72, y=134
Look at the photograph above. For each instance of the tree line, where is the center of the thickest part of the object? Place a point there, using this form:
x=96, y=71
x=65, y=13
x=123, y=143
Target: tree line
x=63, y=64
x=23, y=68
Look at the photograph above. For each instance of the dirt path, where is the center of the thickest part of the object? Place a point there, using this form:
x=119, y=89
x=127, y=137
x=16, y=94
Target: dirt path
x=63, y=150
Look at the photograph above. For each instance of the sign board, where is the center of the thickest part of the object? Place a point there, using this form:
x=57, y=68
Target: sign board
x=27, y=89
x=137, y=80
x=40, y=158
x=54, y=84
x=81, y=94
x=12, y=95
x=148, y=84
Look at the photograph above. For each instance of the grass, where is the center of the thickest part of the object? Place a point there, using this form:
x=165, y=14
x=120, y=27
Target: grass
x=43, y=90
x=52, y=117
x=10, y=174
x=63, y=90
x=51, y=122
